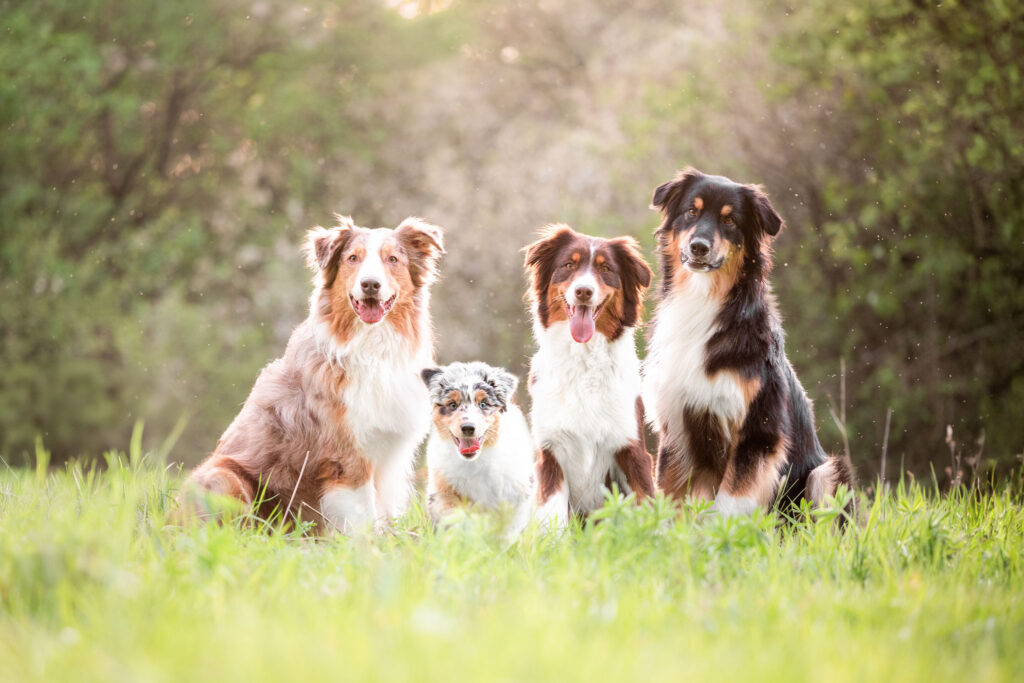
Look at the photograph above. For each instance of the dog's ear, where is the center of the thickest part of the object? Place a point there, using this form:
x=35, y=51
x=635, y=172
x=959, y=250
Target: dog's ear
x=667, y=195
x=428, y=375
x=551, y=238
x=504, y=384
x=632, y=264
x=323, y=245
x=760, y=207
x=540, y=264
x=636, y=277
x=424, y=244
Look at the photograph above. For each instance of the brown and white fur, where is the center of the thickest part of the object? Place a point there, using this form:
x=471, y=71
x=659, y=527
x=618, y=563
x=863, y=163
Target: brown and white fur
x=734, y=423
x=480, y=452
x=335, y=422
x=587, y=416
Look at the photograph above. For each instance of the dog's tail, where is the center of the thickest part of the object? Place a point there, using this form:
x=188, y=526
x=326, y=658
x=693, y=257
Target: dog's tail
x=824, y=479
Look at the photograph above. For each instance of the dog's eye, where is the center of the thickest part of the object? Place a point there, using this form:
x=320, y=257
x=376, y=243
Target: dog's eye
x=605, y=268
x=569, y=265
x=353, y=258
x=728, y=220
x=692, y=213
x=452, y=405
x=392, y=259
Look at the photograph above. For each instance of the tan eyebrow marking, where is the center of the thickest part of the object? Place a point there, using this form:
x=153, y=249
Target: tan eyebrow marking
x=699, y=203
x=726, y=210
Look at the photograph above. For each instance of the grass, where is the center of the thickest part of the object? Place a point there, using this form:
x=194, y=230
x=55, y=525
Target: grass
x=94, y=586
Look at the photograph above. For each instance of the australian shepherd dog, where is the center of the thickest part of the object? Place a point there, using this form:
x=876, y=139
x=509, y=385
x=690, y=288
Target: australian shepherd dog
x=480, y=452
x=329, y=430
x=734, y=424
x=588, y=418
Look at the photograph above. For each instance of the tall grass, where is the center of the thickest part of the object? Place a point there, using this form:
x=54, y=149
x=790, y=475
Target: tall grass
x=95, y=586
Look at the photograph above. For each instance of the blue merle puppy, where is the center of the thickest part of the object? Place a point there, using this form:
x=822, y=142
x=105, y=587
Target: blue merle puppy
x=480, y=451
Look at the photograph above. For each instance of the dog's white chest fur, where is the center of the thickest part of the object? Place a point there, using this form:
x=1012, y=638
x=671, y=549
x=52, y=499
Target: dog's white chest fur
x=584, y=406
x=501, y=474
x=674, y=374
x=387, y=407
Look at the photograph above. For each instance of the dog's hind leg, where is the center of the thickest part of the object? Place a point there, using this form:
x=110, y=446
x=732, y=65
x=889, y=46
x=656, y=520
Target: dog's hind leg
x=218, y=476
x=824, y=479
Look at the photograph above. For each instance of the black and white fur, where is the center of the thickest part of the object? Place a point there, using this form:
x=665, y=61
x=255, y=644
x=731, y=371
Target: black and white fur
x=734, y=424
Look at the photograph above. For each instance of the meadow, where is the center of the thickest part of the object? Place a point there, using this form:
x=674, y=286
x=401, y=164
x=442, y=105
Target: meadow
x=95, y=585
x=161, y=162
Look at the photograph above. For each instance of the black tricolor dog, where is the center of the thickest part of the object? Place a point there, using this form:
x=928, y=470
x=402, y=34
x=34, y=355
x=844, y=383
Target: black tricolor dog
x=734, y=424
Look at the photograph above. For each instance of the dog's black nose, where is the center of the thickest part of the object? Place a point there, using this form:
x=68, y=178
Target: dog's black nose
x=699, y=248
x=584, y=293
x=468, y=429
x=370, y=285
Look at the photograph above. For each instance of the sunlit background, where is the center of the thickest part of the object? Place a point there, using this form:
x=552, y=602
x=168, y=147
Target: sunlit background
x=160, y=163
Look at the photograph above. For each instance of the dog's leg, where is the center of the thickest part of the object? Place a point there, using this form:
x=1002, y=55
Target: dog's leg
x=439, y=507
x=753, y=473
x=824, y=479
x=348, y=500
x=349, y=509
x=635, y=464
x=552, y=492
x=679, y=478
x=442, y=499
x=670, y=471
x=220, y=476
x=393, y=479
x=520, y=518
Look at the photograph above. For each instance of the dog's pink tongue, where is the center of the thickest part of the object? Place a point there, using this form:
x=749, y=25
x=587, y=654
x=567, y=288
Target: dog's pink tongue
x=469, y=446
x=581, y=324
x=371, y=311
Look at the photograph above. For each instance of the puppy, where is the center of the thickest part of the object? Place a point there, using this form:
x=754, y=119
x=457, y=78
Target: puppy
x=480, y=451
x=329, y=430
x=588, y=418
x=733, y=421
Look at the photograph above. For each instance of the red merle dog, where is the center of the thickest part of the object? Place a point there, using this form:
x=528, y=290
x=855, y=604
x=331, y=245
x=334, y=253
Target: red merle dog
x=733, y=421
x=587, y=416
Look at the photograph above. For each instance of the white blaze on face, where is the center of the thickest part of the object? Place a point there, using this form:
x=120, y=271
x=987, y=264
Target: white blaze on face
x=373, y=293
x=583, y=310
x=373, y=268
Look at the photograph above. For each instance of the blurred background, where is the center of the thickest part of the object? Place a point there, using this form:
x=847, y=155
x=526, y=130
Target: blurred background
x=160, y=163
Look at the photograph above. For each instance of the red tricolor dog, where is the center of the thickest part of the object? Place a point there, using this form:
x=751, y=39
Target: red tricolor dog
x=587, y=296
x=333, y=425
x=734, y=423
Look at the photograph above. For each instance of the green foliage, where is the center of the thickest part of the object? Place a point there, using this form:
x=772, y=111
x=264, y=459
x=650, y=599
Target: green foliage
x=94, y=585
x=918, y=208
x=123, y=126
